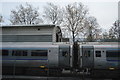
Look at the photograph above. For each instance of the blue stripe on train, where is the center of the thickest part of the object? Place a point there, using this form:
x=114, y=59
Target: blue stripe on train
x=114, y=60
x=113, y=49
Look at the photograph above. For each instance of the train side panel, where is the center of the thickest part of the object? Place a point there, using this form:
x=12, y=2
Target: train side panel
x=53, y=54
x=106, y=61
x=86, y=56
x=64, y=56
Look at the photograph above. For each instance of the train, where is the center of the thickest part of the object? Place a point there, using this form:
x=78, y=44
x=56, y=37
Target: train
x=96, y=59
x=101, y=60
x=24, y=57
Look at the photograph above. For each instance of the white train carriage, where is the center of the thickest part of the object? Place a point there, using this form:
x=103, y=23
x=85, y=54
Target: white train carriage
x=102, y=60
x=35, y=56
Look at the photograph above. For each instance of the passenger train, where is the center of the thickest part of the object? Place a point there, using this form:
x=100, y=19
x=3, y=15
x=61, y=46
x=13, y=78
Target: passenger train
x=96, y=59
x=39, y=57
x=101, y=60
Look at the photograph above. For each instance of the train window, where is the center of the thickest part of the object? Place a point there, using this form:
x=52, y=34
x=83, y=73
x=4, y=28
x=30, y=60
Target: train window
x=19, y=53
x=113, y=53
x=119, y=53
x=87, y=53
x=64, y=53
x=39, y=53
x=5, y=52
x=24, y=53
x=98, y=53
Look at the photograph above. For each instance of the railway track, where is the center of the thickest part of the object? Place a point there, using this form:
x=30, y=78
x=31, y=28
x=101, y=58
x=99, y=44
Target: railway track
x=21, y=77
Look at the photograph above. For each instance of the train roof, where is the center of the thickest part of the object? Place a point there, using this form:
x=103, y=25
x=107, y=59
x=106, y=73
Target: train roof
x=27, y=44
x=48, y=44
x=98, y=43
x=32, y=44
x=103, y=45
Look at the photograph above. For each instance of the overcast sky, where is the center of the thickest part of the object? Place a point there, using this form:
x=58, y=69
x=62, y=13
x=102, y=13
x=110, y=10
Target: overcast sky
x=106, y=11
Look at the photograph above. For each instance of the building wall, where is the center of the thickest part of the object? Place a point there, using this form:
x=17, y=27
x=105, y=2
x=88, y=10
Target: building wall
x=29, y=34
x=27, y=38
x=27, y=31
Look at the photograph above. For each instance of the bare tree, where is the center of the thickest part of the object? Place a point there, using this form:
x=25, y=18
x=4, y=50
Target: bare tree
x=105, y=35
x=25, y=14
x=92, y=29
x=75, y=15
x=53, y=13
x=1, y=18
x=114, y=32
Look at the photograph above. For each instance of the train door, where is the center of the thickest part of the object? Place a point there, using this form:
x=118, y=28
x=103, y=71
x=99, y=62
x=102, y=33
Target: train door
x=100, y=58
x=64, y=56
x=87, y=56
x=53, y=57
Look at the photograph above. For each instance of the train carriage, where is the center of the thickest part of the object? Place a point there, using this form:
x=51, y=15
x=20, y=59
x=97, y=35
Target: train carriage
x=37, y=57
x=100, y=60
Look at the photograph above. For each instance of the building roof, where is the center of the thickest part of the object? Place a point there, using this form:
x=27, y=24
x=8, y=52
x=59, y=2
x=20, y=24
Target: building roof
x=40, y=25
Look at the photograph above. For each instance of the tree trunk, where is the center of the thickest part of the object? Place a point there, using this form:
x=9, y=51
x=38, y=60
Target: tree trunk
x=73, y=36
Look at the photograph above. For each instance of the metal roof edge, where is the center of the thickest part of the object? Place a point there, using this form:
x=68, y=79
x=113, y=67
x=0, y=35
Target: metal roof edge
x=40, y=25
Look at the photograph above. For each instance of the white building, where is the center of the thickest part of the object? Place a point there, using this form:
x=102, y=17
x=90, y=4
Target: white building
x=31, y=33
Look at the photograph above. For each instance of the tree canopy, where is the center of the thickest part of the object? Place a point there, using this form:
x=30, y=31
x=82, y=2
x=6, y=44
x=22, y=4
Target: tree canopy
x=25, y=14
x=114, y=32
x=1, y=18
x=75, y=15
x=53, y=14
x=92, y=29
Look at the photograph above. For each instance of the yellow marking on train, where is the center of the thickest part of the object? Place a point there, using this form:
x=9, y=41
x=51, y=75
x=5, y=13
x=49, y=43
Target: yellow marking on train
x=42, y=66
x=111, y=68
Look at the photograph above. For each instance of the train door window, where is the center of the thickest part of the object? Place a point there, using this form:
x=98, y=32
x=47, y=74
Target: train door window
x=64, y=53
x=98, y=53
x=5, y=52
x=19, y=53
x=39, y=53
x=87, y=53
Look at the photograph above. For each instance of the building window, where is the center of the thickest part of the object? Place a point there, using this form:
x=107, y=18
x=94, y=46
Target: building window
x=57, y=38
x=39, y=53
x=38, y=29
x=98, y=53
